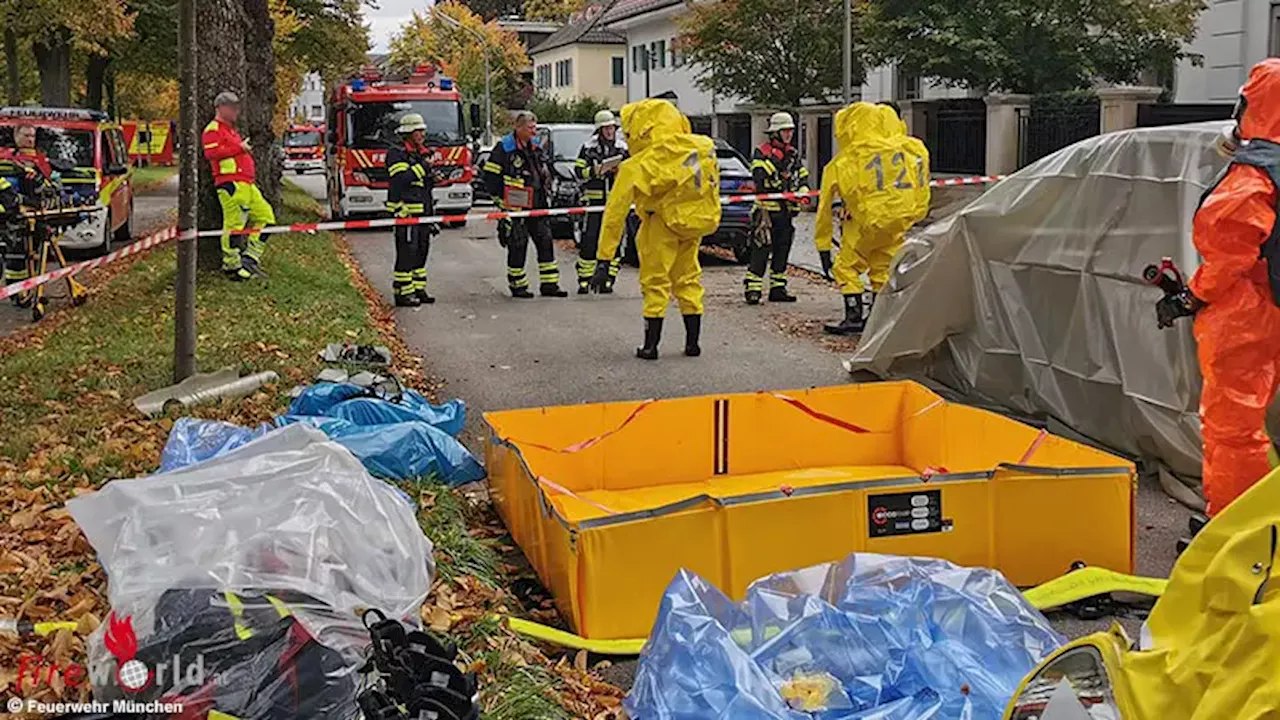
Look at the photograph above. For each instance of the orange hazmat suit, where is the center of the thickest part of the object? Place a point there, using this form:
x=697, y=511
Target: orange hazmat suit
x=1238, y=332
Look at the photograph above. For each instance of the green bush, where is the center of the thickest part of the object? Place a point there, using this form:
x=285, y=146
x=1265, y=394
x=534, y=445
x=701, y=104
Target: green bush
x=580, y=110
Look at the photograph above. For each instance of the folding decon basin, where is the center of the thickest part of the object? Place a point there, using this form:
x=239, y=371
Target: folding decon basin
x=609, y=500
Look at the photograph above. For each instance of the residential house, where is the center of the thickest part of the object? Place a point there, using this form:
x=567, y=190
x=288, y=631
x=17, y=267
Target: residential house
x=582, y=59
x=1233, y=36
x=531, y=33
x=309, y=102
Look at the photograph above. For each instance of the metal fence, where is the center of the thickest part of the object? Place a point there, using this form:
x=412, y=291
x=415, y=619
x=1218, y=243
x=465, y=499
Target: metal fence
x=1045, y=130
x=956, y=135
x=1158, y=114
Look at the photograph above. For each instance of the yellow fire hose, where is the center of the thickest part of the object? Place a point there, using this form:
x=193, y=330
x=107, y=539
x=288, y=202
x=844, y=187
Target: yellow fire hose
x=1074, y=586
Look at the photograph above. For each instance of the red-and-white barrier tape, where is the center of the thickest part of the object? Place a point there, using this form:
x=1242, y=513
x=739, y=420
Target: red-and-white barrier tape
x=143, y=245
x=171, y=233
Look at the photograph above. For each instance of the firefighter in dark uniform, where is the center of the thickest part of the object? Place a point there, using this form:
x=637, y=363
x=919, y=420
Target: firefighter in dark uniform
x=597, y=166
x=518, y=177
x=776, y=166
x=409, y=166
x=26, y=170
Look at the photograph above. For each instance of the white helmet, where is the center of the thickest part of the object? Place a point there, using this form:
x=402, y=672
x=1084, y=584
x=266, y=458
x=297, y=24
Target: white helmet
x=409, y=123
x=780, y=121
x=604, y=117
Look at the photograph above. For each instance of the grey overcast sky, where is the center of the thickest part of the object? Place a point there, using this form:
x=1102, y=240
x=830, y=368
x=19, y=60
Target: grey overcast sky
x=388, y=18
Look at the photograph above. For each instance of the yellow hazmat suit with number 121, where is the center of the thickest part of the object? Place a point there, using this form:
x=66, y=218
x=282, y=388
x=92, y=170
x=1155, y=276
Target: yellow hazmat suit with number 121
x=673, y=179
x=882, y=175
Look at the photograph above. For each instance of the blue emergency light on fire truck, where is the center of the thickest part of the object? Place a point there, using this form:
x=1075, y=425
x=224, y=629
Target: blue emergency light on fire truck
x=363, y=115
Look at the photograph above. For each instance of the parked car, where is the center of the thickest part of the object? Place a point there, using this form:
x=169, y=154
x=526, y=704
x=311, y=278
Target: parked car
x=562, y=143
x=735, y=218
x=93, y=147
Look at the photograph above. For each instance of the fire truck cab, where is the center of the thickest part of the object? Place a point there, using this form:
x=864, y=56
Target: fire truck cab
x=363, y=116
x=304, y=148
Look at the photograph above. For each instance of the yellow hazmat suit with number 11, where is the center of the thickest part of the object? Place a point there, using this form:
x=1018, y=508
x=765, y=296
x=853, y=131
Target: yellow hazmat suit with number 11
x=882, y=175
x=673, y=179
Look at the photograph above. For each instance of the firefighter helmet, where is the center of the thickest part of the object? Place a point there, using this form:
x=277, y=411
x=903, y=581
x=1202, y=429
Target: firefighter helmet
x=604, y=117
x=781, y=121
x=410, y=122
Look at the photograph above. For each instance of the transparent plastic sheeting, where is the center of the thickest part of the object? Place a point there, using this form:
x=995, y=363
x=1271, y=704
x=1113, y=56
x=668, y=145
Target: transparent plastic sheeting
x=1032, y=296
x=291, y=515
x=405, y=439
x=871, y=637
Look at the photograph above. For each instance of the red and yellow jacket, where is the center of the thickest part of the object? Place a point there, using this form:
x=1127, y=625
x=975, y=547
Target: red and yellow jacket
x=224, y=150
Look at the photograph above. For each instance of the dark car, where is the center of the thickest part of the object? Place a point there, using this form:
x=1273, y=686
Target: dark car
x=735, y=218
x=562, y=143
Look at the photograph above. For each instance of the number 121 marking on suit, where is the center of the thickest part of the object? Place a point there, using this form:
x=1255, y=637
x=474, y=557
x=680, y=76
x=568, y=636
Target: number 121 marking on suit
x=898, y=162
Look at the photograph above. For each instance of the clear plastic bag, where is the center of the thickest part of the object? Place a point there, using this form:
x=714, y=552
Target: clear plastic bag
x=250, y=564
x=903, y=639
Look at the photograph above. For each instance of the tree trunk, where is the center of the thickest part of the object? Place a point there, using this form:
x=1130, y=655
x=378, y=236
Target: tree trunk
x=109, y=85
x=53, y=60
x=14, y=79
x=260, y=98
x=221, y=66
x=95, y=80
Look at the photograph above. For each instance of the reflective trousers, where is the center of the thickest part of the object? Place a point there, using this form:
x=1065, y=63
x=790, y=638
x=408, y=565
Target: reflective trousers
x=1238, y=343
x=775, y=255
x=413, y=243
x=515, y=234
x=668, y=265
x=239, y=199
x=867, y=252
x=589, y=246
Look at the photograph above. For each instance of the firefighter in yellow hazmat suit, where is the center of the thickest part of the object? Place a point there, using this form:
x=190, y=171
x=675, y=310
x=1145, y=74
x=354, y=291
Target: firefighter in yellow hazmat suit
x=882, y=175
x=674, y=181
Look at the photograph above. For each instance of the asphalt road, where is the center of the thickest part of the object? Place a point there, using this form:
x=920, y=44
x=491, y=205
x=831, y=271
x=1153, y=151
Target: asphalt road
x=497, y=353
x=152, y=210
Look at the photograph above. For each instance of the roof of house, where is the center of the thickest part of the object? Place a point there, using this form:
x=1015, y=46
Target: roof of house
x=623, y=9
x=582, y=30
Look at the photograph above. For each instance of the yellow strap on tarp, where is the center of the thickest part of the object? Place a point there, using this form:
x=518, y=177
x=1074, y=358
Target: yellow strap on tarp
x=1090, y=582
x=1076, y=585
x=42, y=629
x=215, y=715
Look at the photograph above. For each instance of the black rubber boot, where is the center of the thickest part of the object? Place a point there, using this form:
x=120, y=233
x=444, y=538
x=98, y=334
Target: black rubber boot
x=607, y=289
x=583, y=288
x=692, y=332
x=423, y=297
x=652, y=335
x=853, y=322
x=237, y=275
x=253, y=267
x=407, y=301
x=552, y=290
x=521, y=292
x=752, y=296
x=1195, y=524
x=780, y=294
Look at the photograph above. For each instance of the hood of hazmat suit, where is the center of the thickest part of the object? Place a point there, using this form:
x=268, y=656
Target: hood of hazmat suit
x=1210, y=647
x=1238, y=333
x=880, y=173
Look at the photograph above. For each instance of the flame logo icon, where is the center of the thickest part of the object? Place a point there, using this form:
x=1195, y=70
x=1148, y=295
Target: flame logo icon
x=132, y=674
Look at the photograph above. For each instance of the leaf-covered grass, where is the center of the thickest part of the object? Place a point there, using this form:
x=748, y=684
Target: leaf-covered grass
x=447, y=520
x=146, y=178
x=69, y=383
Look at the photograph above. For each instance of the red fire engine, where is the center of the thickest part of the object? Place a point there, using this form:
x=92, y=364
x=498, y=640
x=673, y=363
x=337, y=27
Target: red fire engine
x=304, y=148
x=363, y=116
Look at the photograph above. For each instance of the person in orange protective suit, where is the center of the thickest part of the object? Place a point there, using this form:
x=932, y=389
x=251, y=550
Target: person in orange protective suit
x=1235, y=296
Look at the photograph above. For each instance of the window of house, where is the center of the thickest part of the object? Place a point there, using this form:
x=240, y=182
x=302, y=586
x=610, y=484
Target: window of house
x=658, y=53
x=317, y=111
x=637, y=58
x=619, y=67
x=568, y=71
x=542, y=76
x=907, y=86
x=676, y=58
x=1274, y=43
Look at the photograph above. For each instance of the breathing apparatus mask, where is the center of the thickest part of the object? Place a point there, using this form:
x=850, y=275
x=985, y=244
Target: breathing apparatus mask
x=1229, y=140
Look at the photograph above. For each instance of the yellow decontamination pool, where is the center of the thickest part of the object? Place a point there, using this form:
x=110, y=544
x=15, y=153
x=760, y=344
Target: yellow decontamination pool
x=609, y=500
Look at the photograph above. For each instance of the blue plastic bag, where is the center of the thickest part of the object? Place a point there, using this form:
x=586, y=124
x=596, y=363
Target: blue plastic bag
x=403, y=440
x=192, y=441
x=873, y=637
